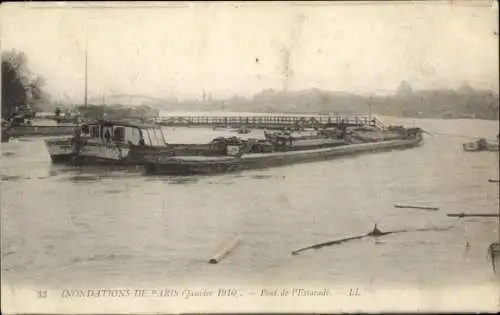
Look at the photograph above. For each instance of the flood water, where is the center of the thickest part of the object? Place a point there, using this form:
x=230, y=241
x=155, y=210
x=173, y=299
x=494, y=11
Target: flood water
x=80, y=227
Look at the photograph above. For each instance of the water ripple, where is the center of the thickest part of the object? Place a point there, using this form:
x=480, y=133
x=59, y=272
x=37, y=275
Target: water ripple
x=82, y=225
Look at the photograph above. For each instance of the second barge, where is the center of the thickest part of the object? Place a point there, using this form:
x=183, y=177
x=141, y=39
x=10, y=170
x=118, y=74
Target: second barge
x=236, y=159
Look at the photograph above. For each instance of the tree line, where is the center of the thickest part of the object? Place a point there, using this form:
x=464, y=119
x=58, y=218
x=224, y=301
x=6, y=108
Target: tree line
x=20, y=87
x=464, y=102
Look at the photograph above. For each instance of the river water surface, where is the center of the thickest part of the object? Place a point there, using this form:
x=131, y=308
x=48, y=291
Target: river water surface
x=64, y=227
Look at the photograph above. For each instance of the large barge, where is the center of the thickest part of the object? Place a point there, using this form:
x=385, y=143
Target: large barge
x=36, y=127
x=40, y=130
x=26, y=123
x=108, y=142
x=122, y=143
x=279, y=151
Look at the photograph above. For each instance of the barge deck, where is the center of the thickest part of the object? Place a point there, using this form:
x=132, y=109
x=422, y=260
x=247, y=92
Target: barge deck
x=194, y=165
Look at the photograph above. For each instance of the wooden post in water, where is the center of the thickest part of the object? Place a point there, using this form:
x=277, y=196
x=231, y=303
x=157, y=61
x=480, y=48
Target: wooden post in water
x=493, y=249
x=224, y=251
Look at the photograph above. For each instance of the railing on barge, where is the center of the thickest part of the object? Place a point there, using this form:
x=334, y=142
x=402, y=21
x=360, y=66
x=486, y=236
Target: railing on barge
x=271, y=121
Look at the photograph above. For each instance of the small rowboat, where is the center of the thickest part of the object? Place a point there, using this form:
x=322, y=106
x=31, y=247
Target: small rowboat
x=481, y=145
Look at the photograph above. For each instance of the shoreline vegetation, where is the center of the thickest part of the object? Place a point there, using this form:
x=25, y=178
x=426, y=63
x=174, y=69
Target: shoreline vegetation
x=464, y=103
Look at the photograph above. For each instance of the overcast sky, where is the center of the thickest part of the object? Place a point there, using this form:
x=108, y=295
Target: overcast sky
x=230, y=48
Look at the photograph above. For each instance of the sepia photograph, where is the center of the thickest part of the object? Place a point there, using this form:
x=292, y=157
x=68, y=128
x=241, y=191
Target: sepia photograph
x=246, y=156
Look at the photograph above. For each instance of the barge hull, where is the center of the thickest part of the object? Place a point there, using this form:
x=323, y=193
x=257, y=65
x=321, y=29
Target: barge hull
x=63, y=151
x=185, y=166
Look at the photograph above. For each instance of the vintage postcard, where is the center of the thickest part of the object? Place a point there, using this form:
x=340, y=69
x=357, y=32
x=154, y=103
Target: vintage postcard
x=236, y=157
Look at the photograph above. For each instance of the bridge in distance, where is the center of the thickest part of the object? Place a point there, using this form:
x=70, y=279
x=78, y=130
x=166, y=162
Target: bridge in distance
x=251, y=120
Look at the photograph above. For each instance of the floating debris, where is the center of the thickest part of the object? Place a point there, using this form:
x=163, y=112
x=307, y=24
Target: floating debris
x=7, y=254
x=11, y=177
x=374, y=233
x=100, y=257
x=183, y=180
x=220, y=183
x=81, y=178
x=53, y=173
x=463, y=215
x=113, y=191
x=224, y=251
x=416, y=207
x=494, y=253
x=261, y=176
x=493, y=180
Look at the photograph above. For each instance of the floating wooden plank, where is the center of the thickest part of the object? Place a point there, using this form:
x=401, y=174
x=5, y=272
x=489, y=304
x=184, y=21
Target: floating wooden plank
x=336, y=242
x=374, y=233
x=493, y=180
x=416, y=207
x=463, y=215
x=224, y=251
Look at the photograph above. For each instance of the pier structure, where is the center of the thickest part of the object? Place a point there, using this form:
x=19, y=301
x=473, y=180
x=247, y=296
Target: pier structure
x=271, y=121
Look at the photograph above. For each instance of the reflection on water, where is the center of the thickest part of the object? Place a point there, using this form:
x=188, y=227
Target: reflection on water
x=84, y=226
